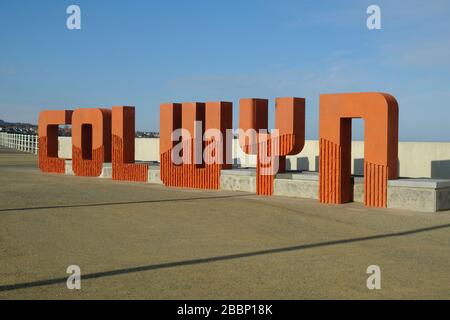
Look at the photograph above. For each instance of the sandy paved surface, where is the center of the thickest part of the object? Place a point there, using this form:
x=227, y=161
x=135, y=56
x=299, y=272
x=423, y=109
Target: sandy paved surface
x=147, y=241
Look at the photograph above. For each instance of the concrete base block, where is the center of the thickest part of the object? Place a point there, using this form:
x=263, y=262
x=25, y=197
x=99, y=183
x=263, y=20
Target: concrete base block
x=106, y=171
x=416, y=199
x=68, y=168
x=301, y=185
x=154, y=175
x=358, y=189
x=443, y=199
x=238, y=180
x=296, y=188
x=427, y=195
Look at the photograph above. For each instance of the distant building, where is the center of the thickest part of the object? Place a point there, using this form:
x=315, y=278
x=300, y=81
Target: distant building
x=63, y=130
x=20, y=128
x=146, y=134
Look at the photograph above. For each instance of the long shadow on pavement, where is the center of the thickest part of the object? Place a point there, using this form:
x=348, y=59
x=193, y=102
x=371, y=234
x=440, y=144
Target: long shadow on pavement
x=217, y=258
x=120, y=203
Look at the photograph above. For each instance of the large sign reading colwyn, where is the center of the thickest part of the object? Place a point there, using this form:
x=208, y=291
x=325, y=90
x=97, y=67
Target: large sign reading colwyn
x=196, y=139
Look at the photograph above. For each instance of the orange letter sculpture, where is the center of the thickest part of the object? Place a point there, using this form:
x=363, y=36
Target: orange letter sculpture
x=91, y=141
x=290, y=139
x=123, y=166
x=380, y=112
x=48, y=139
x=195, y=173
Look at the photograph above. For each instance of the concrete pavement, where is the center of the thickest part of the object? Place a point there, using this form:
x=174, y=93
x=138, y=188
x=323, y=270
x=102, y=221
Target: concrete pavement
x=145, y=241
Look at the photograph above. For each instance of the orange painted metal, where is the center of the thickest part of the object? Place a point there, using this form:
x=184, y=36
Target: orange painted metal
x=194, y=173
x=290, y=123
x=49, y=120
x=380, y=113
x=253, y=115
x=91, y=140
x=123, y=145
x=94, y=130
x=219, y=116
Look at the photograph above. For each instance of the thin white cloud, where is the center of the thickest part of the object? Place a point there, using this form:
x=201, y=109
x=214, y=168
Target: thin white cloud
x=430, y=53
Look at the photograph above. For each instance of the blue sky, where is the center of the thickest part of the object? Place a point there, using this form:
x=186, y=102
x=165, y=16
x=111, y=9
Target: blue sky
x=143, y=53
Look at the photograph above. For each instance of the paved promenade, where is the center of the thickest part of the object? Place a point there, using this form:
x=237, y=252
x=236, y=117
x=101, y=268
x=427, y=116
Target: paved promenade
x=147, y=241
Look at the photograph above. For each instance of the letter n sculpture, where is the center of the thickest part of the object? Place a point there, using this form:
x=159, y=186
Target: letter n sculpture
x=380, y=113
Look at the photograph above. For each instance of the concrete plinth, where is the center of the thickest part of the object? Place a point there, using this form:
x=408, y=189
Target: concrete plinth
x=238, y=180
x=426, y=195
x=429, y=195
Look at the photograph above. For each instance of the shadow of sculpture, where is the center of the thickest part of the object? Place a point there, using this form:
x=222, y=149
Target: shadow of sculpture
x=303, y=164
x=440, y=169
x=120, y=203
x=242, y=255
x=358, y=167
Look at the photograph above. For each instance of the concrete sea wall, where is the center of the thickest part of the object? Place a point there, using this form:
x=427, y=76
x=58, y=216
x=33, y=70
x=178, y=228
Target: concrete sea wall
x=416, y=159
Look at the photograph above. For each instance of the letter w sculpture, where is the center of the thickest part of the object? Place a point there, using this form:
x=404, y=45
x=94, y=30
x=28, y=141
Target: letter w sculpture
x=193, y=148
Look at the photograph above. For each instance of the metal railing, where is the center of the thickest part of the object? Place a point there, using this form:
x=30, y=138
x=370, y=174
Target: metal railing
x=22, y=142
